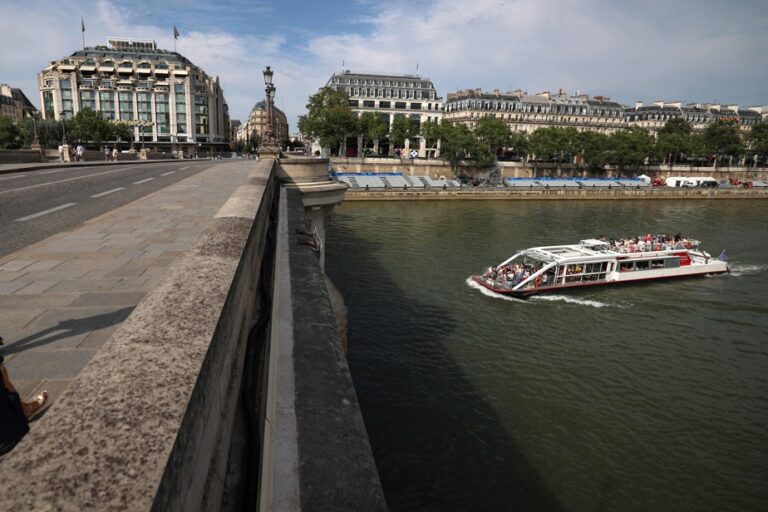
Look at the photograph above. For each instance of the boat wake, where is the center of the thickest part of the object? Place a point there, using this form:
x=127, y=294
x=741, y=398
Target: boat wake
x=488, y=293
x=570, y=300
x=747, y=270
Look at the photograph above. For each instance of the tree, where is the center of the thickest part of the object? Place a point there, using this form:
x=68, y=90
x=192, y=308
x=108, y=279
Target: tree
x=545, y=143
x=371, y=127
x=593, y=149
x=403, y=128
x=721, y=138
x=430, y=132
x=89, y=125
x=493, y=133
x=456, y=142
x=630, y=147
x=758, y=141
x=675, y=139
x=10, y=135
x=328, y=117
x=519, y=144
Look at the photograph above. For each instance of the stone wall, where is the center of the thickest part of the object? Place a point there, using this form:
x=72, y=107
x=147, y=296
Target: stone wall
x=438, y=168
x=20, y=156
x=485, y=194
x=147, y=423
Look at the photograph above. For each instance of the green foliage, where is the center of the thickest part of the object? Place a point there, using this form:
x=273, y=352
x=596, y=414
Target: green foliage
x=430, y=131
x=328, y=117
x=721, y=138
x=593, y=149
x=675, y=140
x=403, y=128
x=457, y=142
x=678, y=126
x=493, y=133
x=371, y=127
x=630, y=147
x=11, y=136
x=758, y=141
x=519, y=143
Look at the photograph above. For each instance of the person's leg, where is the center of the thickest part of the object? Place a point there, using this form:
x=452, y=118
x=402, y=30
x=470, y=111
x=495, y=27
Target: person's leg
x=31, y=407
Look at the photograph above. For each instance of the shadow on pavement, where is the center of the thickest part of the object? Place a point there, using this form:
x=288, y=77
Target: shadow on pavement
x=67, y=329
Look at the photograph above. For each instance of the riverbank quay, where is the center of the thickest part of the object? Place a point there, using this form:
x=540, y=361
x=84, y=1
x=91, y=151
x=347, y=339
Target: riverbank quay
x=439, y=169
x=495, y=194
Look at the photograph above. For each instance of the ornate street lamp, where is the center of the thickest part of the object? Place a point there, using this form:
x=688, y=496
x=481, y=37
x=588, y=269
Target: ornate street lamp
x=269, y=138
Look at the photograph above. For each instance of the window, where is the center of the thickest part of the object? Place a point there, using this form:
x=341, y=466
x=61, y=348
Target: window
x=353, y=103
x=107, y=104
x=415, y=106
x=162, y=113
x=385, y=104
x=368, y=103
x=400, y=104
x=125, y=104
x=87, y=100
x=50, y=112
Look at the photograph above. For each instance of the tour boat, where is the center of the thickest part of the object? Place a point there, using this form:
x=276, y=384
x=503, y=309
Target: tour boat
x=599, y=262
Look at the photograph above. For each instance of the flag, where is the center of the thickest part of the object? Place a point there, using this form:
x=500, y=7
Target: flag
x=82, y=24
x=417, y=67
x=175, y=32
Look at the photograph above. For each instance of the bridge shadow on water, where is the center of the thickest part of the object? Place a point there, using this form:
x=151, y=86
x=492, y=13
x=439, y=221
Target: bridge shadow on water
x=439, y=443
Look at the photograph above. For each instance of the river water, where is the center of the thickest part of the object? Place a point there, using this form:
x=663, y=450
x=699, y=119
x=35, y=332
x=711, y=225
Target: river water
x=633, y=398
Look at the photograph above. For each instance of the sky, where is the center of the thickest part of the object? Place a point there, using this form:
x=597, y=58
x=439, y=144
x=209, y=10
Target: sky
x=628, y=50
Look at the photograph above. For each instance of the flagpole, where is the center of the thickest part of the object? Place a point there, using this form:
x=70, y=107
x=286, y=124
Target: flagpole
x=82, y=29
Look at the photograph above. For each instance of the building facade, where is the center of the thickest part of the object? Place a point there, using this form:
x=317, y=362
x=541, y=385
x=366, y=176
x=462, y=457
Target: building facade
x=15, y=104
x=161, y=93
x=653, y=117
x=389, y=96
x=527, y=113
x=253, y=129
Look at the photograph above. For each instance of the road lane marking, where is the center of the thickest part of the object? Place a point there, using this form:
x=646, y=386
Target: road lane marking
x=46, y=212
x=68, y=179
x=51, y=172
x=187, y=167
x=101, y=194
x=143, y=181
x=11, y=177
x=167, y=173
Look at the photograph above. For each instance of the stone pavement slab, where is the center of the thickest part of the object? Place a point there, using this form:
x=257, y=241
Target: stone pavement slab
x=62, y=298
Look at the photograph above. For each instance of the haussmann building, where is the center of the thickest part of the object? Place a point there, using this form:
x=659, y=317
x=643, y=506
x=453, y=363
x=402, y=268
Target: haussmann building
x=389, y=96
x=171, y=103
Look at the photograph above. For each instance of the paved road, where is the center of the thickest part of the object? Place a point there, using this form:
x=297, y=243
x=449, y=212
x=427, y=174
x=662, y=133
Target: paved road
x=37, y=204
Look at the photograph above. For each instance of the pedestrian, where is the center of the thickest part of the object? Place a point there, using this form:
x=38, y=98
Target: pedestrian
x=80, y=153
x=61, y=153
x=15, y=414
x=107, y=153
x=114, y=154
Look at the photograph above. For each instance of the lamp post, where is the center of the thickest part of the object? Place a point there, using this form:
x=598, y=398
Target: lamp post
x=36, y=139
x=269, y=137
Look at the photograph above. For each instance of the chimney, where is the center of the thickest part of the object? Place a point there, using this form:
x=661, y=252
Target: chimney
x=638, y=104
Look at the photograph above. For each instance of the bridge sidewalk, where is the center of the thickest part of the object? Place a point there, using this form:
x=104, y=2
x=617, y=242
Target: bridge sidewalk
x=63, y=297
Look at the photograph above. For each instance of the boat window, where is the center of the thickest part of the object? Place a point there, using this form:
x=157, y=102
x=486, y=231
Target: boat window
x=643, y=265
x=626, y=266
x=657, y=263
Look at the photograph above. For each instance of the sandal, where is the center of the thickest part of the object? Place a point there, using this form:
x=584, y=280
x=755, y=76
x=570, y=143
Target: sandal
x=33, y=408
